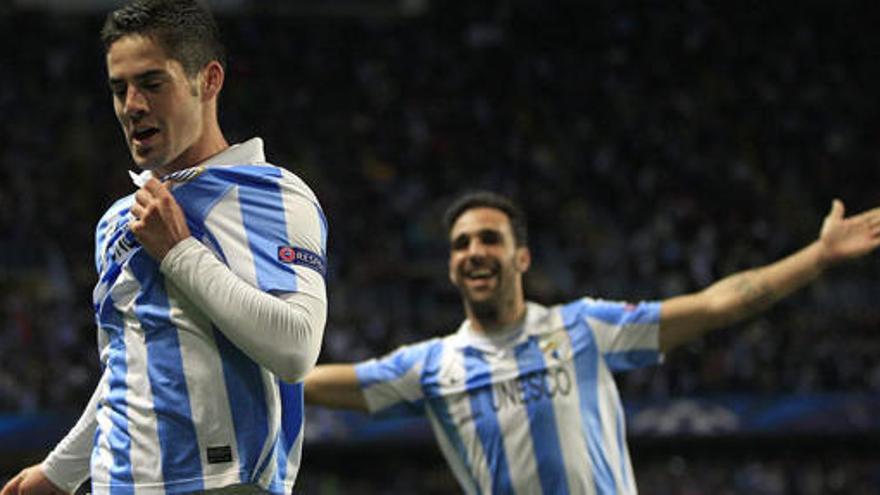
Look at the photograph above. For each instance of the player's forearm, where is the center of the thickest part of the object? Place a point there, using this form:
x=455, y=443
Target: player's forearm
x=67, y=466
x=736, y=297
x=335, y=386
x=282, y=335
x=750, y=292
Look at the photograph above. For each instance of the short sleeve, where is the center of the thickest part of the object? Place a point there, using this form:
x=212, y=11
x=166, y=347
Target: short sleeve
x=392, y=384
x=626, y=335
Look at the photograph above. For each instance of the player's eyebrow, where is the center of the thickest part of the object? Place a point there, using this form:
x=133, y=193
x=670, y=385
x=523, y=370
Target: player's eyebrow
x=486, y=235
x=143, y=76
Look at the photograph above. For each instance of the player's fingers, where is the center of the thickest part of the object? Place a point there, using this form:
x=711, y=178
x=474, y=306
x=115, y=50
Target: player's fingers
x=155, y=187
x=137, y=210
x=874, y=228
x=143, y=196
x=837, y=209
x=11, y=487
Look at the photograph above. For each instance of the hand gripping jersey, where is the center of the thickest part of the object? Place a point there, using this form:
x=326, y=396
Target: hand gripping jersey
x=183, y=409
x=532, y=411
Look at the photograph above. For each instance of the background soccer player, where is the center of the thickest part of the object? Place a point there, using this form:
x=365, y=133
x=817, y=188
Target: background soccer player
x=210, y=298
x=521, y=398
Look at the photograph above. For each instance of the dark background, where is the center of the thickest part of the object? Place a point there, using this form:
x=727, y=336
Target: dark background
x=656, y=146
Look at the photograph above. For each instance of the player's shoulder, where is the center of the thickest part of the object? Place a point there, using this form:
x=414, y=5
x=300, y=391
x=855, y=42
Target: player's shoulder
x=259, y=176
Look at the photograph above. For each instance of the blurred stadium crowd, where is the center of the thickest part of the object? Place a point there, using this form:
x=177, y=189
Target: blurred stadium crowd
x=655, y=148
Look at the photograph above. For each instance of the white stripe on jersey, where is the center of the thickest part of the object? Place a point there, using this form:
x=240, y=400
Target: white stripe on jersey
x=573, y=446
x=456, y=387
x=101, y=458
x=227, y=225
x=208, y=399
x=518, y=446
x=456, y=461
x=609, y=405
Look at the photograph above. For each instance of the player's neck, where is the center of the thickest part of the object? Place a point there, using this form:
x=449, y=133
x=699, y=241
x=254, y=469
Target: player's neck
x=212, y=144
x=496, y=322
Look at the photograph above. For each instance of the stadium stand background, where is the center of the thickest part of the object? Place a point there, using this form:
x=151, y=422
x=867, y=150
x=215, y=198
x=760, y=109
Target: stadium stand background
x=655, y=147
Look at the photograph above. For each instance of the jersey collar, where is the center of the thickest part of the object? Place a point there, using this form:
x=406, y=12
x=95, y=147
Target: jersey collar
x=250, y=152
x=504, y=338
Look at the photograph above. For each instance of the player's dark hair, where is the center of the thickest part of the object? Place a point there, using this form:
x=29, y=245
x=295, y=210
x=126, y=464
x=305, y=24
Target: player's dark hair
x=489, y=199
x=185, y=29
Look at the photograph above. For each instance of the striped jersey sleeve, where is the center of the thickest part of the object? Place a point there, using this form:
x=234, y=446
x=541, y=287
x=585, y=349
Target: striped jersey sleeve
x=392, y=384
x=626, y=334
x=263, y=222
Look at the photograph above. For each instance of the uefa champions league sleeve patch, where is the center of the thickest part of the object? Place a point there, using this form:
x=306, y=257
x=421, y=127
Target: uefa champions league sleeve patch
x=302, y=257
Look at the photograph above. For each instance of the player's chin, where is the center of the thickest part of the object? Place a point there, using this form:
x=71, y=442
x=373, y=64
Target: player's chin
x=479, y=296
x=146, y=160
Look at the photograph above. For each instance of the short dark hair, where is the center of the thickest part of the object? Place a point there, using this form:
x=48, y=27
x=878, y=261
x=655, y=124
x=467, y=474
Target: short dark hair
x=489, y=199
x=185, y=29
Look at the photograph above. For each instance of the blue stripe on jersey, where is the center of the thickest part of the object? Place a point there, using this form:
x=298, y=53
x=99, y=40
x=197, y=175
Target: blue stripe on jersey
x=118, y=437
x=247, y=401
x=199, y=196
x=620, y=361
x=586, y=362
x=542, y=420
x=291, y=425
x=437, y=403
x=479, y=387
x=262, y=212
x=178, y=442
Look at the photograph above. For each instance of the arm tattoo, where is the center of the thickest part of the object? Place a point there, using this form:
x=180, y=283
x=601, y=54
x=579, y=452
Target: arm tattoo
x=753, y=292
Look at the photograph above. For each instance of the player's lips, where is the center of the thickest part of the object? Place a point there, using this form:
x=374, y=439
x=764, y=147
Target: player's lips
x=480, y=277
x=144, y=136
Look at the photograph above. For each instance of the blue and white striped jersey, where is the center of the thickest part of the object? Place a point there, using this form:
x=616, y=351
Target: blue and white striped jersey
x=535, y=410
x=183, y=408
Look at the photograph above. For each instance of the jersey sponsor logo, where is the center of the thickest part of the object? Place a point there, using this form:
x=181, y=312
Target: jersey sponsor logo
x=302, y=257
x=123, y=247
x=544, y=384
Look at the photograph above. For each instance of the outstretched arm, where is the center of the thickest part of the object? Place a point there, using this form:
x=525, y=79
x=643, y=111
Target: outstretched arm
x=335, y=386
x=750, y=292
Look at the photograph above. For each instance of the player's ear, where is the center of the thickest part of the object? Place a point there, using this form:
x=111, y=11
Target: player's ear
x=523, y=259
x=213, y=76
x=452, y=276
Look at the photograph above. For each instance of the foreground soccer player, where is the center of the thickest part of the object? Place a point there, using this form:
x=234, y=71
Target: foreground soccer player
x=521, y=398
x=211, y=297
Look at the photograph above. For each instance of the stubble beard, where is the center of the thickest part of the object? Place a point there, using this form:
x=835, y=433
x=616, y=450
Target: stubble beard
x=490, y=310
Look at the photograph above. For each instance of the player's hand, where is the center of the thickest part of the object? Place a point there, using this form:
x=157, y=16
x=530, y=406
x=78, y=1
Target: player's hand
x=31, y=481
x=845, y=238
x=159, y=223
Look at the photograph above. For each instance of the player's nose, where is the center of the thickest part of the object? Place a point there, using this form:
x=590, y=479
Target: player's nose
x=135, y=104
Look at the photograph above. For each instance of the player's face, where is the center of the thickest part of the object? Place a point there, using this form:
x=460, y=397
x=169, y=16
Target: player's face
x=160, y=109
x=484, y=262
